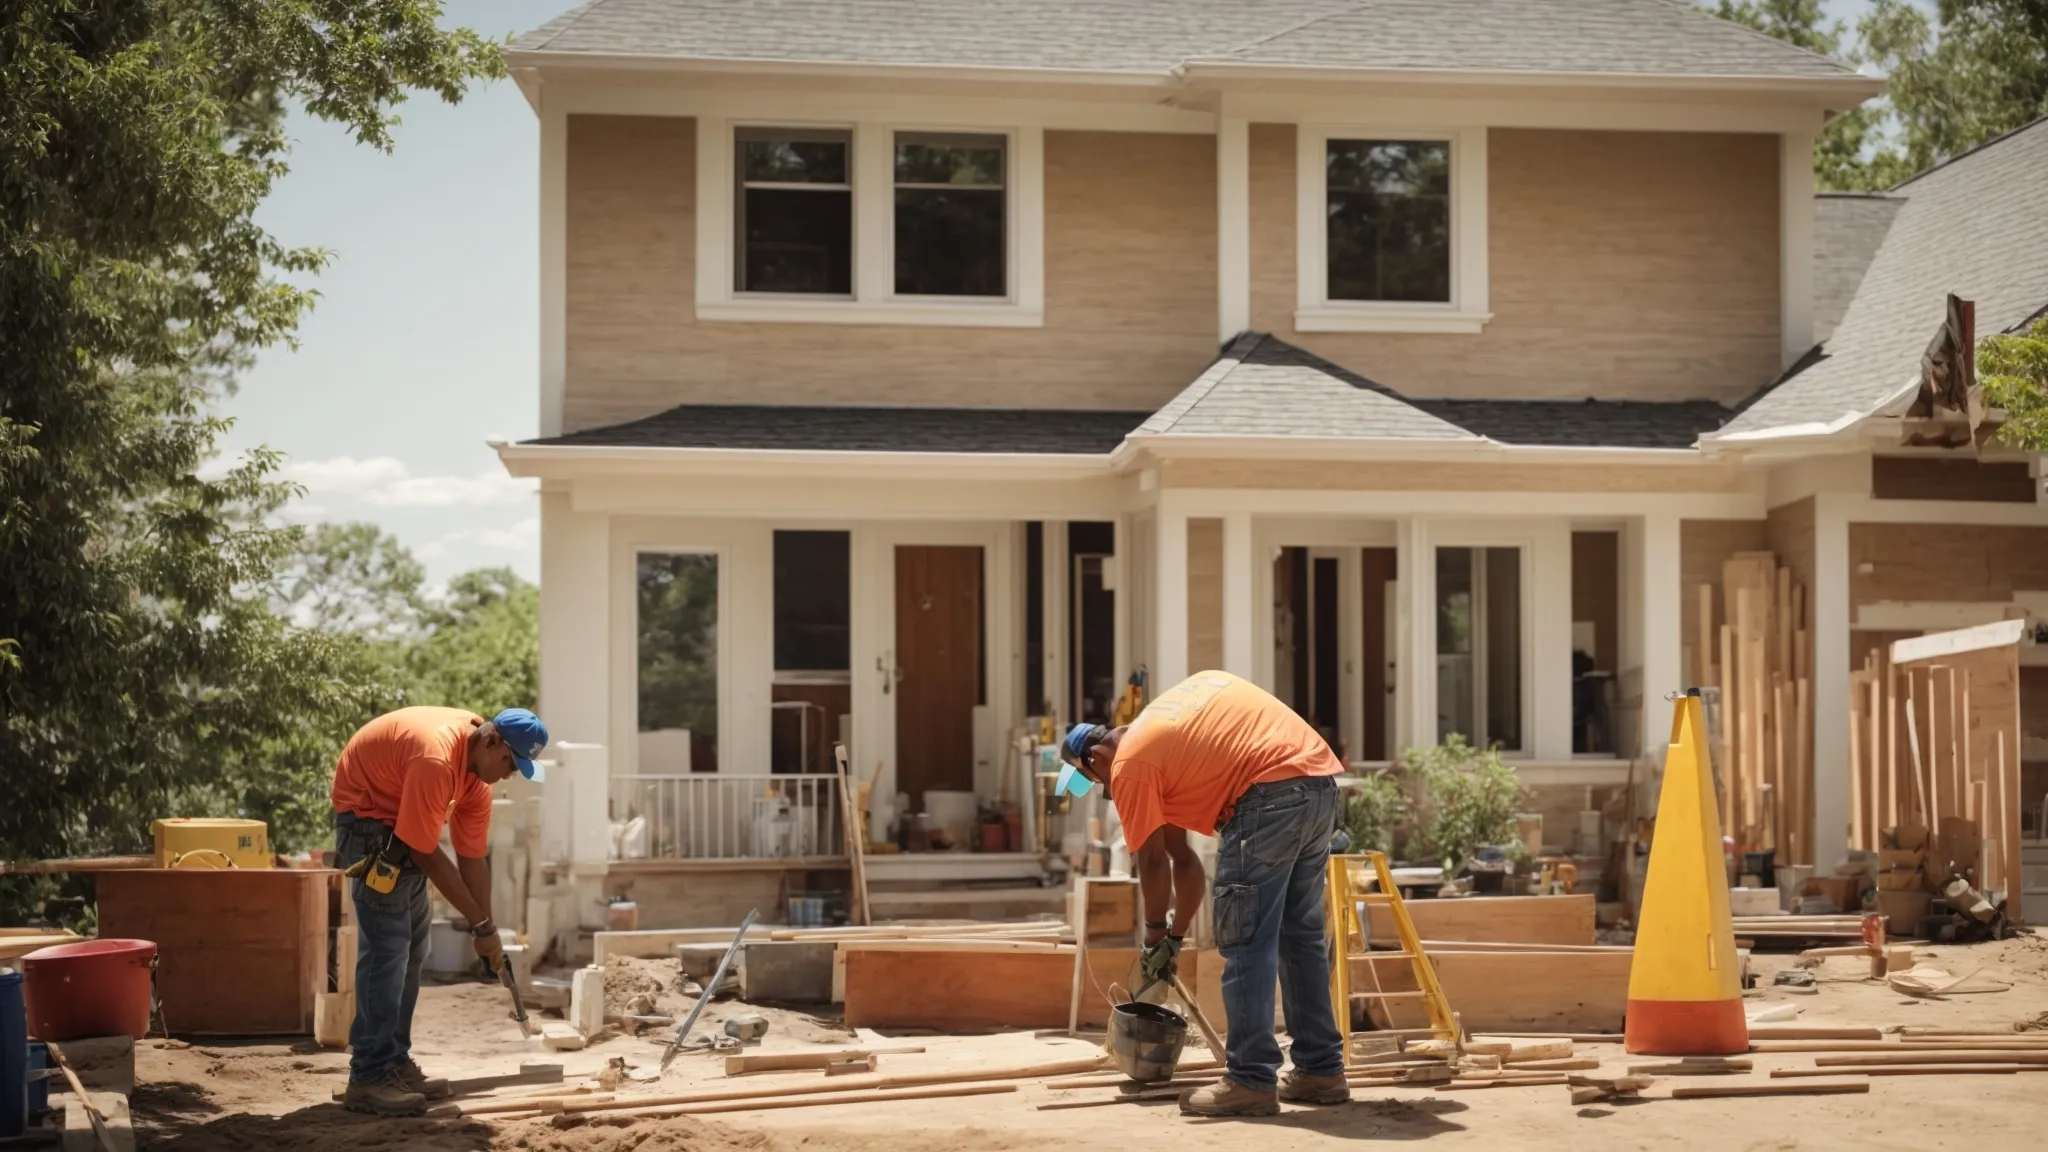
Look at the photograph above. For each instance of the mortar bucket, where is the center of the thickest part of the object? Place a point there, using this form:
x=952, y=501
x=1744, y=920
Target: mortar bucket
x=1145, y=1040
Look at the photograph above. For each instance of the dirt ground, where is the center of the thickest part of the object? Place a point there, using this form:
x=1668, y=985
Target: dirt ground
x=256, y=1096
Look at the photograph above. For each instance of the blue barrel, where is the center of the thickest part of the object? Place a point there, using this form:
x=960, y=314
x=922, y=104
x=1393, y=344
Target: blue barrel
x=13, y=1055
x=38, y=1089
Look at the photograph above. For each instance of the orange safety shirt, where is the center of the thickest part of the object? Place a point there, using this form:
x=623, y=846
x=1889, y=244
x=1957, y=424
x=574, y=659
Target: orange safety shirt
x=1193, y=751
x=410, y=769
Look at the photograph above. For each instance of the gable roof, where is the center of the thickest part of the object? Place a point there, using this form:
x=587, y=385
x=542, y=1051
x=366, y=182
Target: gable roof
x=1162, y=38
x=1262, y=386
x=1976, y=226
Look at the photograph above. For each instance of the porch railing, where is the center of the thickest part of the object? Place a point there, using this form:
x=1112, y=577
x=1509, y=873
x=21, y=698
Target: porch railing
x=721, y=816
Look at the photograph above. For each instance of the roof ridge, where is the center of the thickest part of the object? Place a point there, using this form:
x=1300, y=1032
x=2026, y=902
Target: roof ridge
x=1232, y=356
x=1959, y=157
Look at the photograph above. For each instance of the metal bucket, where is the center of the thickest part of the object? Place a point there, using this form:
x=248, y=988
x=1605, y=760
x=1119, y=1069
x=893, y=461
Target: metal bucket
x=1145, y=1040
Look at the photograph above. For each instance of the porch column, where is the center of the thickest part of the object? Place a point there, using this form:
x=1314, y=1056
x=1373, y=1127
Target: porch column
x=1663, y=670
x=1170, y=598
x=1237, y=594
x=575, y=624
x=1053, y=601
x=1551, y=640
x=1122, y=589
x=1415, y=647
x=1233, y=233
x=1830, y=599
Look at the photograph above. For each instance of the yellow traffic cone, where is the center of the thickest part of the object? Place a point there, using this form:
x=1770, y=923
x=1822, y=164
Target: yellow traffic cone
x=1684, y=992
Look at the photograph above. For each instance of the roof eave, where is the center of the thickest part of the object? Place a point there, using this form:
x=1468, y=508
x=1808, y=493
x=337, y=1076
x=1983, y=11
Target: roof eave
x=1827, y=89
x=653, y=62
x=1347, y=449
x=1844, y=433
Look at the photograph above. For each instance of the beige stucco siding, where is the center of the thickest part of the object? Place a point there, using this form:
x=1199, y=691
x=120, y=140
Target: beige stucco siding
x=1130, y=291
x=1621, y=265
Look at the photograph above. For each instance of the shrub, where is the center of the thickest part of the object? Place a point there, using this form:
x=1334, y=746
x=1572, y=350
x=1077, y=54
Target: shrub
x=1465, y=797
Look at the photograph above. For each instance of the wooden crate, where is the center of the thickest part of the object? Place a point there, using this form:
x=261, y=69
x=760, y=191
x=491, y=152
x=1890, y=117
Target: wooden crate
x=241, y=952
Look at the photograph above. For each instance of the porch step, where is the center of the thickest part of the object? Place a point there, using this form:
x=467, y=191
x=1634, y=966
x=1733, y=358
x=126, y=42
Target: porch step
x=955, y=867
x=969, y=903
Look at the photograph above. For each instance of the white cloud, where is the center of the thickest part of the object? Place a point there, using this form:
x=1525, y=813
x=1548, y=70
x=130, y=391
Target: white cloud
x=523, y=536
x=385, y=482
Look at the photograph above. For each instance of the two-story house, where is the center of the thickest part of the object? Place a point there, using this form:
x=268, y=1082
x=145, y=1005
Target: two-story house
x=911, y=369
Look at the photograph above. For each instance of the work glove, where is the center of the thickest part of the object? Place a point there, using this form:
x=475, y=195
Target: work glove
x=1159, y=961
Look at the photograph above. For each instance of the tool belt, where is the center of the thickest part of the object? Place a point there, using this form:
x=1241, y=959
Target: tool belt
x=384, y=856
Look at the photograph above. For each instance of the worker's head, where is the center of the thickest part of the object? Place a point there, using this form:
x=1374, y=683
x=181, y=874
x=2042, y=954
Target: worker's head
x=1089, y=750
x=507, y=743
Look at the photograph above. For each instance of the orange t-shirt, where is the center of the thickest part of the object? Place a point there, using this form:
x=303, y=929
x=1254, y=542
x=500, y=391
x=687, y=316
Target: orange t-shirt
x=410, y=769
x=1193, y=751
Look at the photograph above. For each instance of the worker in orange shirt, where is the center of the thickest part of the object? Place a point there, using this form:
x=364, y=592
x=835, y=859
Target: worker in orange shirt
x=1217, y=754
x=401, y=780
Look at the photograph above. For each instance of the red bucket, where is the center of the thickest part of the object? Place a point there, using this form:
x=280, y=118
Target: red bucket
x=91, y=988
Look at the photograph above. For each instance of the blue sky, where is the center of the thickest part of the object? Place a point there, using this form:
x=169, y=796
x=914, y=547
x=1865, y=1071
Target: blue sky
x=425, y=341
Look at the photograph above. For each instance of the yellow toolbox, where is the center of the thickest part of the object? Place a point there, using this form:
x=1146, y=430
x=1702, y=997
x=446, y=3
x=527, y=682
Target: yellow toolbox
x=205, y=842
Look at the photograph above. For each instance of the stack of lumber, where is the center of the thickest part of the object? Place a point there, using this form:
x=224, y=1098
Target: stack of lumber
x=1761, y=658
x=1780, y=928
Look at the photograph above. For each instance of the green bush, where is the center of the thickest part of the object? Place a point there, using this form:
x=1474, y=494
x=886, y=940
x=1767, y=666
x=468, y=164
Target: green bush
x=1372, y=812
x=1465, y=798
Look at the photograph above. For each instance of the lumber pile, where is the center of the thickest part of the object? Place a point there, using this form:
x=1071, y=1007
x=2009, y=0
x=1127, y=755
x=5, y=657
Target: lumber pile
x=1501, y=991
x=1761, y=658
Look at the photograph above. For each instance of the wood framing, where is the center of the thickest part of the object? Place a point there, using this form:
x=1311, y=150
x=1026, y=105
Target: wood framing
x=1502, y=919
x=1507, y=991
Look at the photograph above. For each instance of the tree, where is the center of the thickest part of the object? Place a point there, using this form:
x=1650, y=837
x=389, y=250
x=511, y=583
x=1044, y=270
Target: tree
x=2013, y=369
x=1979, y=71
x=144, y=673
x=354, y=578
x=482, y=651
x=1840, y=152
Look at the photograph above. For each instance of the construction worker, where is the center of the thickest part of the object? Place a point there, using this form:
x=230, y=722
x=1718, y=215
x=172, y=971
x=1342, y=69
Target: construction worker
x=1217, y=754
x=401, y=780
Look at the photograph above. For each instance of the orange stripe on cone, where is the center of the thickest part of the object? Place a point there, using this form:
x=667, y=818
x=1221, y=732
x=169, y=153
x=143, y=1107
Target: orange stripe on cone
x=1686, y=1028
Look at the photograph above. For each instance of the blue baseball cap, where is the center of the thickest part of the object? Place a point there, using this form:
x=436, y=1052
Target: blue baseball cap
x=1081, y=739
x=525, y=735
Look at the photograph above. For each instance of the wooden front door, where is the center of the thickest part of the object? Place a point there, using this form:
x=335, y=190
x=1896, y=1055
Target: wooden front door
x=938, y=660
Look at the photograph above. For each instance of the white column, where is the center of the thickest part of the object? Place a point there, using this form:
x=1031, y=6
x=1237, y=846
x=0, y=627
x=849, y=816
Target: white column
x=1351, y=649
x=1830, y=594
x=1795, y=244
x=1053, y=567
x=746, y=658
x=1663, y=671
x=576, y=632
x=1233, y=228
x=1237, y=594
x=1120, y=587
x=1415, y=647
x=554, y=264
x=1170, y=598
x=1550, y=632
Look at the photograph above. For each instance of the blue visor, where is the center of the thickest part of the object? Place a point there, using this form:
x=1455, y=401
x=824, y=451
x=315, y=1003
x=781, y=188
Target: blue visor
x=1072, y=783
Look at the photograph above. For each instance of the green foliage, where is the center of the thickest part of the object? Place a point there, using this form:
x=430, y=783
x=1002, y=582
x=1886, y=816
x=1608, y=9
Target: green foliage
x=142, y=670
x=1841, y=151
x=2013, y=369
x=1373, y=811
x=678, y=613
x=1465, y=798
x=481, y=650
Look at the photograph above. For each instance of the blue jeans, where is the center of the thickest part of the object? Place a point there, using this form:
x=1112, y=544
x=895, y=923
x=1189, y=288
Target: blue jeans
x=391, y=949
x=1271, y=869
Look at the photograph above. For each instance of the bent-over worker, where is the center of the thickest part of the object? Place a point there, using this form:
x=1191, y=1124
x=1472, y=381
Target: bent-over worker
x=401, y=779
x=1217, y=754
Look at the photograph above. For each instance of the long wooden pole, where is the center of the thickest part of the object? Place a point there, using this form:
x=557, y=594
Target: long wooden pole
x=1731, y=769
x=1924, y=808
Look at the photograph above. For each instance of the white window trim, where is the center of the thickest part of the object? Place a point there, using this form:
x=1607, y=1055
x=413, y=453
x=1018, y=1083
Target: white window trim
x=1468, y=310
x=874, y=299
x=1478, y=535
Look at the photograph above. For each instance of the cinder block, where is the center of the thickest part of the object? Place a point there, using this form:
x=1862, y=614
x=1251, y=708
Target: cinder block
x=586, y=1000
x=789, y=971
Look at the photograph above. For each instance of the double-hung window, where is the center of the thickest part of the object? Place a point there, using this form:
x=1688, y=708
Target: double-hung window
x=870, y=224
x=1392, y=231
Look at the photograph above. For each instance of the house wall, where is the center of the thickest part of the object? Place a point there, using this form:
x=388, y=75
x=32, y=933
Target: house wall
x=1945, y=562
x=1622, y=265
x=1130, y=291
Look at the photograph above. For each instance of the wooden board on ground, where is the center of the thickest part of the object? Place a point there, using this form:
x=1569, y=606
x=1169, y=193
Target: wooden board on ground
x=240, y=952
x=965, y=991
x=1499, y=919
x=1496, y=992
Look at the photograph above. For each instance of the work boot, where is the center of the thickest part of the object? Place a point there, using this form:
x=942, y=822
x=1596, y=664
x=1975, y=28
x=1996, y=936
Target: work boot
x=1227, y=1098
x=1297, y=1087
x=431, y=1087
x=391, y=1096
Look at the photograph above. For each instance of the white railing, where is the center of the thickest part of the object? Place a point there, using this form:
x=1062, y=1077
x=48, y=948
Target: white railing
x=717, y=816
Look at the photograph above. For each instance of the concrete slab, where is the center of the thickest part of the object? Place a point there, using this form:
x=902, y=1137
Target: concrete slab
x=787, y=971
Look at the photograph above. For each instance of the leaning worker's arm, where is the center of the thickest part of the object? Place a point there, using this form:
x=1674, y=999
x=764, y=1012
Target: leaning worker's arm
x=476, y=876
x=1155, y=880
x=1169, y=872
x=452, y=883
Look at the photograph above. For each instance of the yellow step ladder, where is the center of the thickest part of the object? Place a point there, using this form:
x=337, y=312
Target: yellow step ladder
x=1346, y=921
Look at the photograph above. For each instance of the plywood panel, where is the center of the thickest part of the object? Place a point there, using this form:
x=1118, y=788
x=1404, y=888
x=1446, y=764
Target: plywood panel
x=1943, y=478
x=1623, y=264
x=1205, y=596
x=1130, y=296
x=241, y=952
x=1507, y=991
x=964, y=991
x=1503, y=919
x=1421, y=476
x=1946, y=562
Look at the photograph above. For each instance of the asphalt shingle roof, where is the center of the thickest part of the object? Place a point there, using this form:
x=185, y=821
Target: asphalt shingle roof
x=1976, y=226
x=1154, y=37
x=825, y=429
x=1847, y=232
x=1261, y=386
x=1583, y=423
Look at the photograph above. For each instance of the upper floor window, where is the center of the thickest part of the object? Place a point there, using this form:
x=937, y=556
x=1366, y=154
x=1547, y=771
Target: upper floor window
x=793, y=211
x=950, y=212
x=1392, y=231
x=870, y=224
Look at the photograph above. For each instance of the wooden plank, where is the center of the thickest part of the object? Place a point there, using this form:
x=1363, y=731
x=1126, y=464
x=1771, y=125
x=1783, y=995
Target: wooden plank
x=1112, y=912
x=267, y=927
x=1498, y=992
x=1729, y=743
x=805, y=1061
x=1910, y=1070
x=1807, y=1032
x=1493, y=919
x=1703, y=673
x=1765, y=1088
x=964, y=991
x=347, y=941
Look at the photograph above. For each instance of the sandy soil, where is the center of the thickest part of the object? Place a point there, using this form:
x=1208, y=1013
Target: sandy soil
x=254, y=1096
